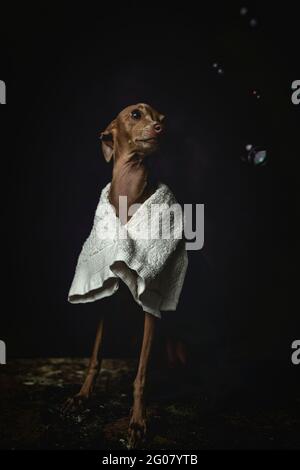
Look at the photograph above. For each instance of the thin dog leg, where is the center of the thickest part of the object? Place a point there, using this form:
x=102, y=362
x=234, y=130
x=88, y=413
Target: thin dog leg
x=92, y=373
x=137, y=426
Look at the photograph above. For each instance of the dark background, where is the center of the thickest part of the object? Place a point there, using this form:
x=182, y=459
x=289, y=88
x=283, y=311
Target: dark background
x=68, y=73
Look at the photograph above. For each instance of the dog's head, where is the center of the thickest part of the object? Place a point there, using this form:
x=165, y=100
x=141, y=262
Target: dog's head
x=135, y=131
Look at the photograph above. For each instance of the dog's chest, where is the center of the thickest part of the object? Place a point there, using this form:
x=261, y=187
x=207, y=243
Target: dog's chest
x=126, y=197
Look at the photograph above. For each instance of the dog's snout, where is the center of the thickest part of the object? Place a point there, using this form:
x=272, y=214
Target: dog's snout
x=158, y=128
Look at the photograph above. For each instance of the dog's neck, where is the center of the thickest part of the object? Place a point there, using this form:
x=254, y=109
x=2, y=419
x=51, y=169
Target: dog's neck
x=130, y=178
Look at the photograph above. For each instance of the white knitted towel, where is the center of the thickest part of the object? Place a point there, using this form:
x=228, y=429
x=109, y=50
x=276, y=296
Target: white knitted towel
x=148, y=254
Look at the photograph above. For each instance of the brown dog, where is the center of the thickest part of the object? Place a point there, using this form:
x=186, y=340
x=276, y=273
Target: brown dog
x=128, y=140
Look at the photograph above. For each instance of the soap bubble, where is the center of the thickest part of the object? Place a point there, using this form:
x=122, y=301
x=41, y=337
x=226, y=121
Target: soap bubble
x=256, y=94
x=260, y=157
x=253, y=23
x=255, y=156
x=243, y=11
x=218, y=68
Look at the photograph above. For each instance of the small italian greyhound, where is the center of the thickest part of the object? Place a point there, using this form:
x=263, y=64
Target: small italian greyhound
x=128, y=140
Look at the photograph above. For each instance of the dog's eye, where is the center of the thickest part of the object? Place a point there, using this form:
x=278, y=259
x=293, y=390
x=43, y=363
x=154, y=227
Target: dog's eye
x=136, y=114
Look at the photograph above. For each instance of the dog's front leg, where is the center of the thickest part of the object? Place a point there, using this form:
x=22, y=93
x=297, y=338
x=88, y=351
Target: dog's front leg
x=137, y=426
x=92, y=373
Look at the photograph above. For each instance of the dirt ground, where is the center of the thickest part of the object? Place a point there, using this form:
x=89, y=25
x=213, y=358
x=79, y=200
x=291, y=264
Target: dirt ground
x=181, y=414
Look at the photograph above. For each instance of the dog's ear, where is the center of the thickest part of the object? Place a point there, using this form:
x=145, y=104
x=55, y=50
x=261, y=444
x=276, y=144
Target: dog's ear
x=107, y=138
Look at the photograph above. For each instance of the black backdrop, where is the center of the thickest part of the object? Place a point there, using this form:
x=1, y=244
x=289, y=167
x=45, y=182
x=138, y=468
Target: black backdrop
x=68, y=72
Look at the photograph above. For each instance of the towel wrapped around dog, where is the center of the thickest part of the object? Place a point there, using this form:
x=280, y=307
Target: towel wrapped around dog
x=147, y=253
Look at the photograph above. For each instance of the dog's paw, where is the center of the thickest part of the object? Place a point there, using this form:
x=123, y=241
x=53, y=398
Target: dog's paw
x=137, y=430
x=75, y=403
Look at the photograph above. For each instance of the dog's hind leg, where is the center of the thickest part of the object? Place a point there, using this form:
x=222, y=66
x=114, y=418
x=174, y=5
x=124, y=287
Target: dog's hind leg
x=92, y=373
x=137, y=425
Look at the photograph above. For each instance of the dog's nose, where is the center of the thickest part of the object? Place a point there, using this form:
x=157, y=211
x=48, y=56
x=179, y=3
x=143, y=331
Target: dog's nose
x=158, y=128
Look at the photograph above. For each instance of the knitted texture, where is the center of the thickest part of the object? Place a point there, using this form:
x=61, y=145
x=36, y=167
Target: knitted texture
x=148, y=254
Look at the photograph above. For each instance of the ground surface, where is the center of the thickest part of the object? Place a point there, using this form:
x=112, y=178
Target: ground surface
x=181, y=414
